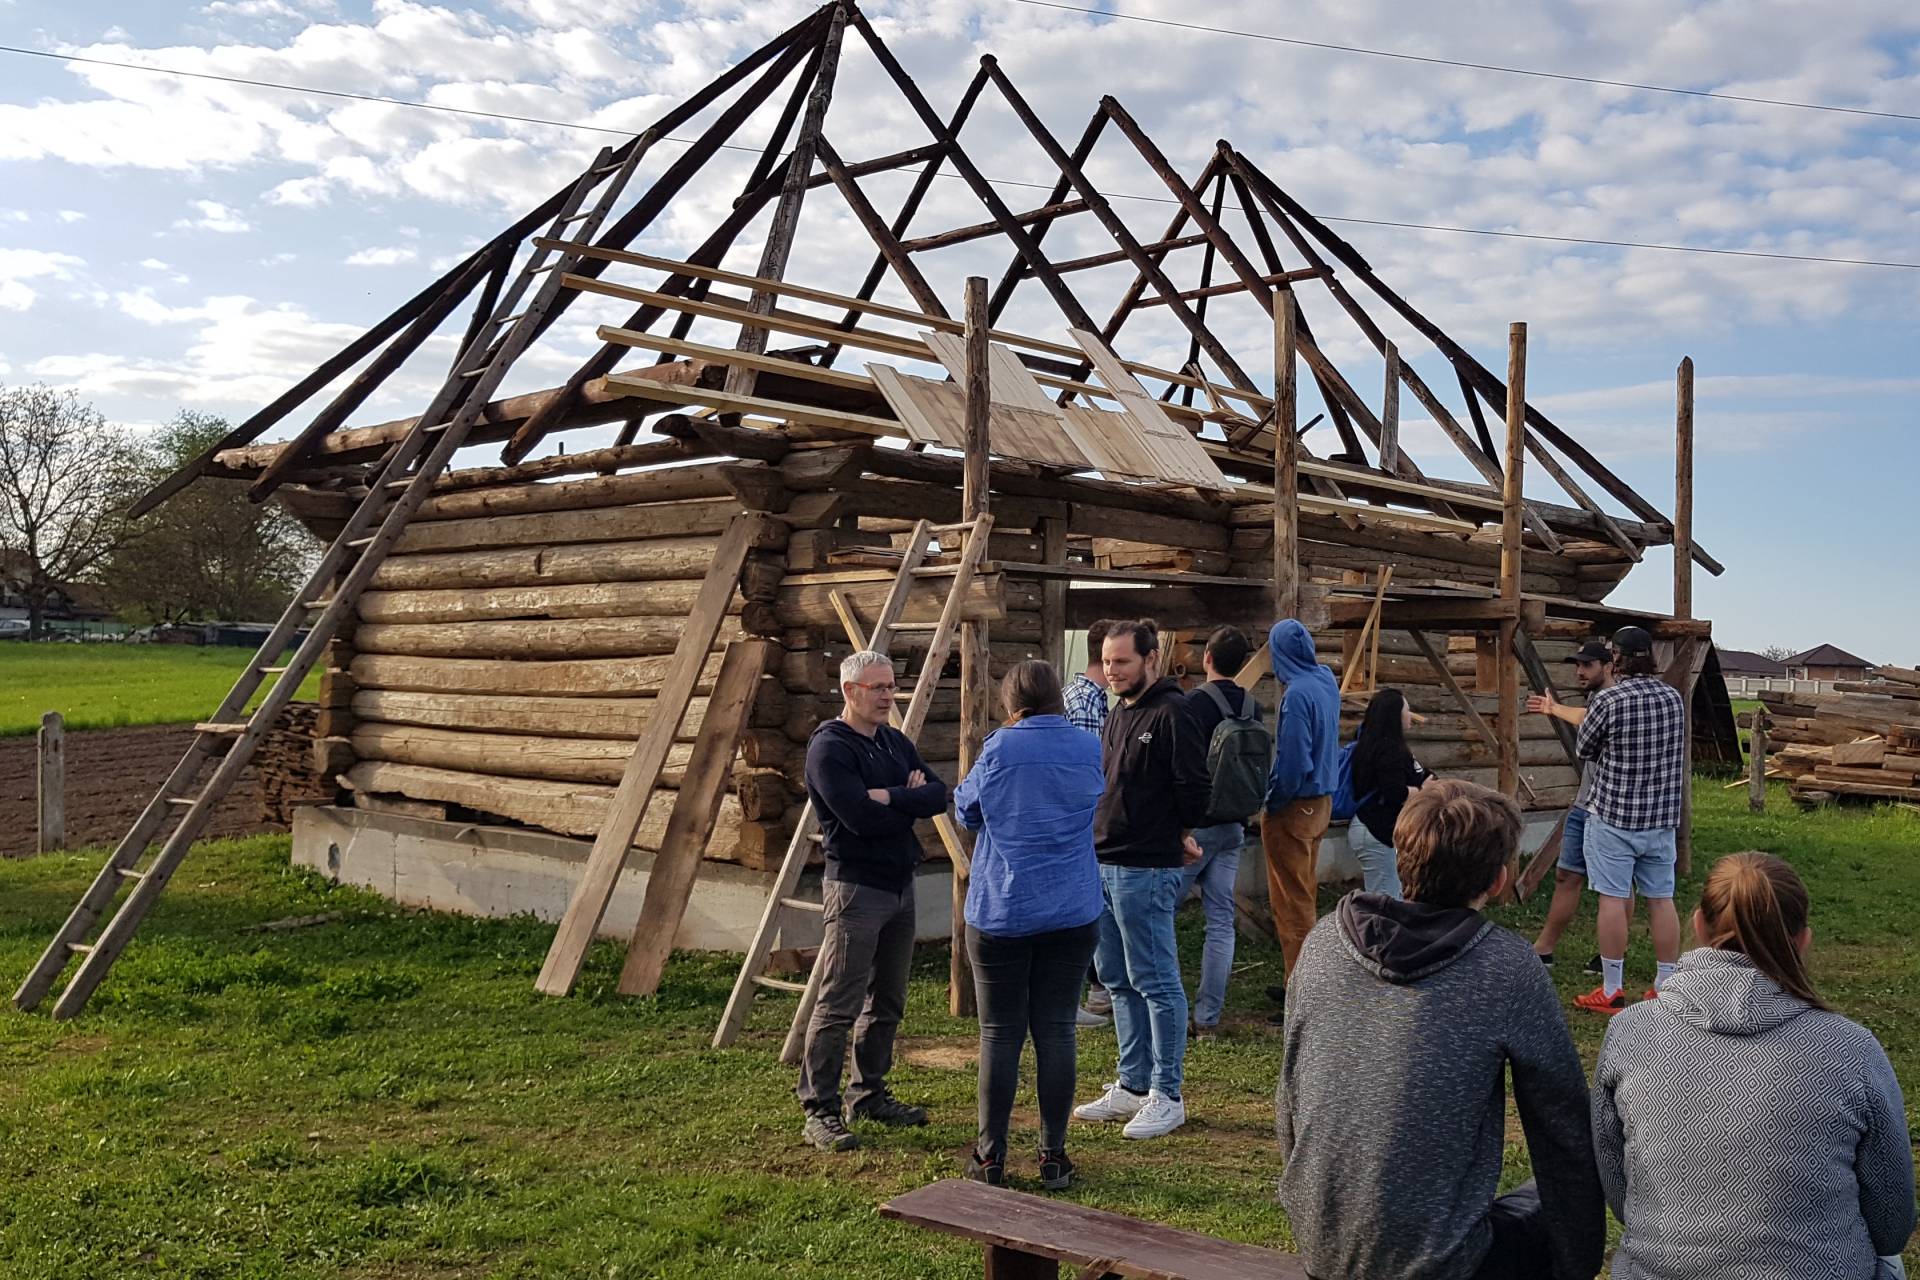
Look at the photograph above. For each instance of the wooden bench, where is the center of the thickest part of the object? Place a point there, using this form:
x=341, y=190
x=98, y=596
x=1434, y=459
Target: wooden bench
x=1028, y=1237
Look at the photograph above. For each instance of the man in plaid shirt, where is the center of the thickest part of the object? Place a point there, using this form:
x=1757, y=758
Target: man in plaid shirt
x=1086, y=694
x=1634, y=739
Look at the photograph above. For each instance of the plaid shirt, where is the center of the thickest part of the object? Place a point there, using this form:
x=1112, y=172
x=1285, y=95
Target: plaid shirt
x=1086, y=705
x=1634, y=738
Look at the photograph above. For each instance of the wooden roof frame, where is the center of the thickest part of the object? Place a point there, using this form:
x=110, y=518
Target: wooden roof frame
x=798, y=158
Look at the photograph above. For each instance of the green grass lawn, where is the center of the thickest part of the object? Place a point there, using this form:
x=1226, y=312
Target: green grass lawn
x=385, y=1096
x=98, y=686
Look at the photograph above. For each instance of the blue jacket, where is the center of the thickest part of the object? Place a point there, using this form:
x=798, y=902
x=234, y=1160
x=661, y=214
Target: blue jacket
x=1306, y=739
x=1031, y=795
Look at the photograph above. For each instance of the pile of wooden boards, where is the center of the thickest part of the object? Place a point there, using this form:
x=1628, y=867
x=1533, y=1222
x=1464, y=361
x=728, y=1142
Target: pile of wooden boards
x=285, y=763
x=1862, y=742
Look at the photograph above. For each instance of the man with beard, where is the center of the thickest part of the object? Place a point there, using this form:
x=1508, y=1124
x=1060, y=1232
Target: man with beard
x=1155, y=759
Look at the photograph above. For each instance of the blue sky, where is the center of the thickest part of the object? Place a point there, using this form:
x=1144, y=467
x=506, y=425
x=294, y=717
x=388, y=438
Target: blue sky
x=169, y=243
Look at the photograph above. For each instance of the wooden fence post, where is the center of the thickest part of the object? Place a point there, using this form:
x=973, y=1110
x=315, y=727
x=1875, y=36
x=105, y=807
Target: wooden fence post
x=1757, y=762
x=53, y=782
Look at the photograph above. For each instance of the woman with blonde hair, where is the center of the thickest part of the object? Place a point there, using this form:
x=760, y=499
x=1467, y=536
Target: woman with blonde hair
x=1742, y=1127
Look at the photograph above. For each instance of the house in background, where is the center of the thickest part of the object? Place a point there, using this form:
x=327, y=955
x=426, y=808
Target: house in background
x=1752, y=666
x=1827, y=662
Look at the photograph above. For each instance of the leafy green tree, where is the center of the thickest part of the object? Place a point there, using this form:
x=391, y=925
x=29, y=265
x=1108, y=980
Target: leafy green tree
x=207, y=552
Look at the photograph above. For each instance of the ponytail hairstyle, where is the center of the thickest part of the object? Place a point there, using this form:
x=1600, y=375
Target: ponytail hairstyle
x=1031, y=688
x=1757, y=905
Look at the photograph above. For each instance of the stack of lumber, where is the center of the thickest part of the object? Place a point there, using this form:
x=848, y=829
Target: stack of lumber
x=285, y=764
x=1861, y=742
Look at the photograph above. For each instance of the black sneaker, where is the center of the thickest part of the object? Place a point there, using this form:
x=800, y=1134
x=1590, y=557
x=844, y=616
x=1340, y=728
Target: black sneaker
x=1056, y=1171
x=884, y=1108
x=828, y=1132
x=991, y=1172
x=1593, y=965
x=1277, y=995
x=1546, y=959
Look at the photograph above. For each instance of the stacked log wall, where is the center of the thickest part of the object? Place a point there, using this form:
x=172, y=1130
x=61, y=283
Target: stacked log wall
x=507, y=655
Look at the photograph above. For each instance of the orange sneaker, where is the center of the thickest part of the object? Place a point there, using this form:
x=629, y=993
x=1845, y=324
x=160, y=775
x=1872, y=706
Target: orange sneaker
x=1653, y=993
x=1598, y=1001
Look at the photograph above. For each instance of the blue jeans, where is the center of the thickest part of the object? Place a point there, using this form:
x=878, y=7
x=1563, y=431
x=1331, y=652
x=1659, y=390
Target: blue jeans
x=1379, y=863
x=1140, y=967
x=1573, y=842
x=1215, y=872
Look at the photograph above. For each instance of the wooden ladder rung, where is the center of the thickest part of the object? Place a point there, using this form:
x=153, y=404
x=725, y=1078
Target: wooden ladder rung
x=802, y=904
x=781, y=984
x=183, y=800
x=915, y=626
x=369, y=540
x=128, y=873
x=81, y=948
x=220, y=726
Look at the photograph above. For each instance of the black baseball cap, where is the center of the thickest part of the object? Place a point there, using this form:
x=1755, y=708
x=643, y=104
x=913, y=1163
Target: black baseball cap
x=1591, y=651
x=1633, y=640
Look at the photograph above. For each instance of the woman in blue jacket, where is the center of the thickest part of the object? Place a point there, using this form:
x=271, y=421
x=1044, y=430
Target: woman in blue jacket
x=1033, y=909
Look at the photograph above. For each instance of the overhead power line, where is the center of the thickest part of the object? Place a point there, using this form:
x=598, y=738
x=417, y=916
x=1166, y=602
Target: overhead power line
x=1431, y=60
x=514, y=118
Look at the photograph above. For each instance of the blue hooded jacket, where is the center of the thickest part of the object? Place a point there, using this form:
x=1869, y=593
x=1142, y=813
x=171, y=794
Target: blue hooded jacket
x=1306, y=739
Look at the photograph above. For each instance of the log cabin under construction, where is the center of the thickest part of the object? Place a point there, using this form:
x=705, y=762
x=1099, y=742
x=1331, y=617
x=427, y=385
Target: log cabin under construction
x=486, y=682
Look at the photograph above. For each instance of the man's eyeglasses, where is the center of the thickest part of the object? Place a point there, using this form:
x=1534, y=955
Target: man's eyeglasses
x=889, y=687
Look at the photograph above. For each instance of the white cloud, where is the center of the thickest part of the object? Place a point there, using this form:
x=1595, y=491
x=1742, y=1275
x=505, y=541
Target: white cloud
x=72, y=215
x=155, y=264
x=214, y=216
x=20, y=265
x=301, y=193
x=384, y=257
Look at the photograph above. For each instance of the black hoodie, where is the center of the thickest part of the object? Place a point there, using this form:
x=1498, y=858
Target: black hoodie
x=1402, y=1023
x=868, y=842
x=1157, y=786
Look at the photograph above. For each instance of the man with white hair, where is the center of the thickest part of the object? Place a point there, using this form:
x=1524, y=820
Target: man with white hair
x=868, y=785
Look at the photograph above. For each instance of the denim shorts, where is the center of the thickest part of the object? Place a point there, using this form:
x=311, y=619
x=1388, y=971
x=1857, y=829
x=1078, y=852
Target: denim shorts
x=1620, y=862
x=1573, y=849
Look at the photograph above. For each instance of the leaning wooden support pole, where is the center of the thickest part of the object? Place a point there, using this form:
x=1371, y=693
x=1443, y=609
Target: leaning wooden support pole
x=1507, y=656
x=677, y=864
x=975, y=655
x=53, y=783
x=1757, y=762
x=1390, y=413
x=637, y=786
x=1683, y=491
x=1286, y=462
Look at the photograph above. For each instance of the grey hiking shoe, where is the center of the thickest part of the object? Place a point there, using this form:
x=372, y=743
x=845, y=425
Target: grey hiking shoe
x=884, y=1108
x=828, y=1132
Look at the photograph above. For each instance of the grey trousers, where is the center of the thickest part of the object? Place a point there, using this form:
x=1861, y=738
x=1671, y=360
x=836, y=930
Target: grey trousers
x=864, y=963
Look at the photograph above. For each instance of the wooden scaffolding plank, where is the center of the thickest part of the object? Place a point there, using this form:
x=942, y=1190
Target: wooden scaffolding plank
x=696, y=806
x=1179, y=455
x=635, y=793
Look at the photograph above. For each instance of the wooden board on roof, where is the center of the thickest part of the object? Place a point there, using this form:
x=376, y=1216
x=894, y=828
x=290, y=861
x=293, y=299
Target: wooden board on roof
x=1178, y=456
x=935, y=413
x=1013, y=384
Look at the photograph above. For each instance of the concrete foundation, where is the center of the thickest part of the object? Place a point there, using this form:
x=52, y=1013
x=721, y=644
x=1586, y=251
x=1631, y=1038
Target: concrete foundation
x=505, y=871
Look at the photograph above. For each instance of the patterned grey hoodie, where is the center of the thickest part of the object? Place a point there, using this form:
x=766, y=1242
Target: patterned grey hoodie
x=1743, y=1134
x=1403, y=1021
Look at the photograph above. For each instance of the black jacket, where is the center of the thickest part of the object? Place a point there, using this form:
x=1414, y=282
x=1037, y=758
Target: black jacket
x=1157, y=787
x=868, y=842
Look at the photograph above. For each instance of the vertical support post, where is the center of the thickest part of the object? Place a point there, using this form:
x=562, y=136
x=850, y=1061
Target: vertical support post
x=53, y=782
x=1507, y=725
x=975, y=657
x=1286, y=461
x=1757, y=762
x=1683, y=491
x=1390, y=414
x=1053, y=595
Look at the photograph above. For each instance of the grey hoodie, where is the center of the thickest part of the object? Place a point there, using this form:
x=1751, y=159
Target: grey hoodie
x=1402, y=1021
x=1743, y=1133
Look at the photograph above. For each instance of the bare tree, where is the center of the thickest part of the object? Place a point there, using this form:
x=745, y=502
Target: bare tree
x=65, y=479
x=1778, y=652
x=209, y=552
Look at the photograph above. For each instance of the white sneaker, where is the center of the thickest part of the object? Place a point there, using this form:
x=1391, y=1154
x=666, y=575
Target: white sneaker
x=1115, y=1104
x=1088, y=1018
x=1160, y=1116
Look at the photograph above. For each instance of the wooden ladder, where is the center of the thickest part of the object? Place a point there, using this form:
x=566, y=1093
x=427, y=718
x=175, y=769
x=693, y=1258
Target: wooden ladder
x=227, y=741
x=783, y=902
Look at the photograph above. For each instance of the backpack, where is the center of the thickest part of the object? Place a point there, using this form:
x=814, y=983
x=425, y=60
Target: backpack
x=1239, y=757
x=1345, y=803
